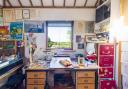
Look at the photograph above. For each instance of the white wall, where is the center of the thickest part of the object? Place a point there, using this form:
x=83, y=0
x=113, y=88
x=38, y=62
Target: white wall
x=115, y=16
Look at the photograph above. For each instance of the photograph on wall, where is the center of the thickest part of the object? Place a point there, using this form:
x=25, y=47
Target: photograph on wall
x=81, y=46
x=78, y=38
x=16, y=30
x=34, y=27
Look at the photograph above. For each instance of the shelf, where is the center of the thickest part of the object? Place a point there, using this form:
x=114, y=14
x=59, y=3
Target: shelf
x=105, y=3
x=103, y=21
x=96, y=41
x=100, y=32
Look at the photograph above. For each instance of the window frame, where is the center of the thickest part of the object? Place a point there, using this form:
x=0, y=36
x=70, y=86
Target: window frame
x=72, y=27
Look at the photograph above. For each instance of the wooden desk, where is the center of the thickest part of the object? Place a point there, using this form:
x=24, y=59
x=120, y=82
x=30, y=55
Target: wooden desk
x=85, y=78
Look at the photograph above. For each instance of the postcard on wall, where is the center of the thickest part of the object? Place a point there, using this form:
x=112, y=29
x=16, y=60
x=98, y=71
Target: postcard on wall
x=34, y=27
x=78, y=38
x=16, y=30
x=18, y=13
x=81, y=46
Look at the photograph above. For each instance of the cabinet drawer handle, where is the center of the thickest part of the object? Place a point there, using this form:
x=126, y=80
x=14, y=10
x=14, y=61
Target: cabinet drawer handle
x=85, y=81
x=35, y=81
x=35, y=87
x=35, y=75
x=86, y=87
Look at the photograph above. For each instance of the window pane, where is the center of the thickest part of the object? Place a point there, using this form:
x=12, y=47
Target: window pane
x=59, y=36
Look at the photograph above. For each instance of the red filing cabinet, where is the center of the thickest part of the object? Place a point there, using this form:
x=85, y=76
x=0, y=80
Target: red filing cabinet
x=106, y=56
x=107, y=84
x=106, y=61
x=106, y=72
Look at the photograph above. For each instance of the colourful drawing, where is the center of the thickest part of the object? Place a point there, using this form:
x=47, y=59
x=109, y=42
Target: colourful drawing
x=16, y=30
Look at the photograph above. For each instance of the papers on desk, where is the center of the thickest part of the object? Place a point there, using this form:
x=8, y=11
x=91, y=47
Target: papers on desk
x=55, y=62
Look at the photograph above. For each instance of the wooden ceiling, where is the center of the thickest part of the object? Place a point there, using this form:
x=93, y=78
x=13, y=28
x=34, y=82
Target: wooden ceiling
x=48, y=3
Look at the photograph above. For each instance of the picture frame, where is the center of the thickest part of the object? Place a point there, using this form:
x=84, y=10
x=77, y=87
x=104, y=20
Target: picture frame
x=81, y=46
x=26, y=14
x=18, y=14
x=78, y=38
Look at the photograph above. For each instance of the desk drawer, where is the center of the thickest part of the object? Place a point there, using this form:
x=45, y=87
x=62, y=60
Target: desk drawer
x=35, y=86
x=86, y=86
x=86, y=80
x=81, y=74
x=36, y=74
x=35, y=81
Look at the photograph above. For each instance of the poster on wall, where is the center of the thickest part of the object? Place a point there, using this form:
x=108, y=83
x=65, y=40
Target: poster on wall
x=4, y=30
x=34, y=27
x=16, y=30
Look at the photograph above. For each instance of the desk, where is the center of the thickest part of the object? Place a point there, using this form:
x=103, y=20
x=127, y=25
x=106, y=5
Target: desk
x=84, y=78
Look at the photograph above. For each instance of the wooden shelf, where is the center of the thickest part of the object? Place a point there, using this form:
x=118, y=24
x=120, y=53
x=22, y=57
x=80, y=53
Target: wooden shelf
x=105, y=3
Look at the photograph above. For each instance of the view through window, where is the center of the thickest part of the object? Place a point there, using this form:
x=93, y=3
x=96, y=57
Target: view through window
x=59, y=34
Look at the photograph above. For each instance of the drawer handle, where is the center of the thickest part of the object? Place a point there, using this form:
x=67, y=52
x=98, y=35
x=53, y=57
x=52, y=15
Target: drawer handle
x=35, y=75
x=86, y=87
x=85, y=81
x=35, y=87
x=35, y=81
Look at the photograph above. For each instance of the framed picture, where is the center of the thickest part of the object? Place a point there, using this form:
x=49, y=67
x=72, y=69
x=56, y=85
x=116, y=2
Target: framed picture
x=78, y=38
x=26, y=13
x=16, y=30
x=34, y=27
x=81, y=46
x=18, y=13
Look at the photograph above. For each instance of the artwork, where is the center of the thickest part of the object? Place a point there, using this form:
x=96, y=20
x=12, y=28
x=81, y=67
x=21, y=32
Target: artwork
x=78, y=38
x=26, y=14
x=81, y=46
x=18, y=14
x=34, y=27
x=4, y=30
x=16, y=30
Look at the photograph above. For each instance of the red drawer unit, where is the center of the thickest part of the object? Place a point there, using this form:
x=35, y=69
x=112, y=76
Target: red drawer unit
x=106, y=72
x=106, y=49
x=108, y=84
x=106, y=61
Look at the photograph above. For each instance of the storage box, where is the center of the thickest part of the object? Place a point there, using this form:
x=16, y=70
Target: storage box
x=106, y=49
x=106, y=61
x=108, y=84
x=106, y=72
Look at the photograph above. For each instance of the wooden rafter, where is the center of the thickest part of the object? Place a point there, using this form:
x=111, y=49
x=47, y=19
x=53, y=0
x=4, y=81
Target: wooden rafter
x=4, y=3
x=42, y=4
x=85, y=3
x=96, y=2
x=31, y=3
x=64, y=3
x=50, y=7
x=53, y=3
x=9, y=3
x=20, y=3
x=74, y=3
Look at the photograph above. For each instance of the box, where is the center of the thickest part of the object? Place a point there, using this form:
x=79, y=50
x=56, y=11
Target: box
x=106, y=72
x=106, y=61
x=106, y=49
x=108, y=84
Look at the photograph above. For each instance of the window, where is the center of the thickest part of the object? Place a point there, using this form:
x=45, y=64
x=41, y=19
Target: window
x=59, y=34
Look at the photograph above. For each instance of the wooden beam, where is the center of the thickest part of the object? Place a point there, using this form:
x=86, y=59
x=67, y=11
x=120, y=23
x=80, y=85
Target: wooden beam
x=20, y=3
x=96, y=2
x=53, y=3
x=74, y=3
x=31, y=3
x=4, y=2
x=85, y=3
x=42, y=4
x=64, y=3
x=9, y=3
x=50, y=7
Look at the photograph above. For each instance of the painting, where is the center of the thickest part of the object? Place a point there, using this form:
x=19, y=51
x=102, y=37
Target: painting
x=34, y=27
x=78, y=38
x=4, y=30
x=16, y=30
